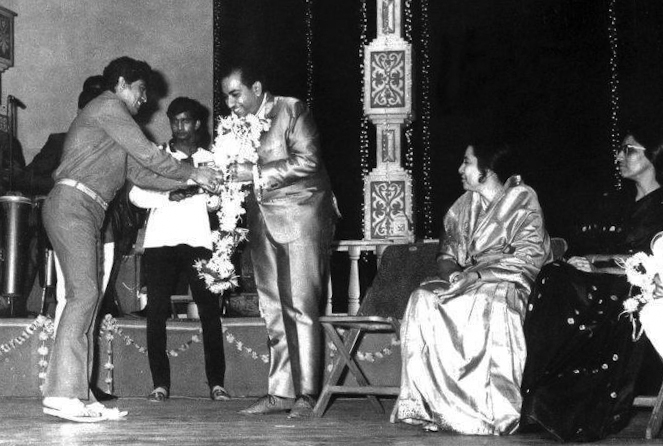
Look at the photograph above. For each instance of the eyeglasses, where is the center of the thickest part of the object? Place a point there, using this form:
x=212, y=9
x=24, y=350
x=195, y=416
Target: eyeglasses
x=629, y=149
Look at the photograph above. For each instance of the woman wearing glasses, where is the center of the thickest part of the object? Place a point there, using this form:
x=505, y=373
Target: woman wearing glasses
x=582, y=363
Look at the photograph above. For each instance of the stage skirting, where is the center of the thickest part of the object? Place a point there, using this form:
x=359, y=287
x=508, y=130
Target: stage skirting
x=123, y=369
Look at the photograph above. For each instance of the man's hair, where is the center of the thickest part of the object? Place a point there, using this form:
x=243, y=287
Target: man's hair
x=250, y=72
x=184, y=104
x=92, y=87
x=130, y=69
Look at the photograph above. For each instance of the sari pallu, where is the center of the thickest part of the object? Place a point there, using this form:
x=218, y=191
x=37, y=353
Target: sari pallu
x=463, y=356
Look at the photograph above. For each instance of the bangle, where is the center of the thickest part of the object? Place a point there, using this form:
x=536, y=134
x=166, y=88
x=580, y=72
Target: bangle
x=455, y=276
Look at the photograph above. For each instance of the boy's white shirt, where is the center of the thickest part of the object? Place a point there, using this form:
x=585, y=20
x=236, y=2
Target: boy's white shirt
x=172, y=223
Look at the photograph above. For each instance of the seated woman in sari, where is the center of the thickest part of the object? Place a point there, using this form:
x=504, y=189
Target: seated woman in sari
x=582, y=362
x=462, y=342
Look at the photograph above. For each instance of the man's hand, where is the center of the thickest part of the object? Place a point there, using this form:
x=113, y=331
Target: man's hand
x=208, y=178
x=242, y=172
x=181, y=194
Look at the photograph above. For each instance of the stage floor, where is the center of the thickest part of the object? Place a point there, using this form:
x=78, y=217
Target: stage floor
x=200, y=421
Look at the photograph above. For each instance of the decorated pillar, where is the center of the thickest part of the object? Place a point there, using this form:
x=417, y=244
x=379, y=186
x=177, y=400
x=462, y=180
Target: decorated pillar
x=388, y=105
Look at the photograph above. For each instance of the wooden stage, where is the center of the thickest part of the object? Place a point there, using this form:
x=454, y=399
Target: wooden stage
x=200, y=421
x=189, y=417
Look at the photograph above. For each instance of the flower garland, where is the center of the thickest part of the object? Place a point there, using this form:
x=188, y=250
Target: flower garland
x=111, y=329
x=237, y=141
x=47, y=332
x=365, y=356
x=644, y=273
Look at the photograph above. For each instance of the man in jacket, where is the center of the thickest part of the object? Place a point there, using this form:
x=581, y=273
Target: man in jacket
x=291, y=217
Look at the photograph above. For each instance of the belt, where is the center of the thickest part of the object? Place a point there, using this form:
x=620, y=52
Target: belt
x=86, y=190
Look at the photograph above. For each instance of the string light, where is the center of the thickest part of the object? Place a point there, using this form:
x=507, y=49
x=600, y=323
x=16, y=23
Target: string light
x=363, y=130
x=309, y=53
x=218, y=25
x=425, y=73
x=614, y=91
x=409, y=129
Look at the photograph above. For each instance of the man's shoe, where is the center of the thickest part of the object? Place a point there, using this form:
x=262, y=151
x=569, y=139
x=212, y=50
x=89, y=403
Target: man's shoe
x=303, y=407
x=269, y=404
x=218, y=393
x=158, y=395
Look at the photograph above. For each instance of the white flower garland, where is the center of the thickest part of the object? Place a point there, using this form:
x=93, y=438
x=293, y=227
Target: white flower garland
x=365, y=356
x=237, y=141
x=47, y=332
x=111, y=329
x=644, y=272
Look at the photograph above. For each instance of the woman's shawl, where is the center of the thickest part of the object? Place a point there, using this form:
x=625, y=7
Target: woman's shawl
x=505, y=242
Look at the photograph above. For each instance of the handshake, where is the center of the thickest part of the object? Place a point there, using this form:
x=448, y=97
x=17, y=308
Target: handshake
x=208, y=178
x=211, y=179
x=181, y=194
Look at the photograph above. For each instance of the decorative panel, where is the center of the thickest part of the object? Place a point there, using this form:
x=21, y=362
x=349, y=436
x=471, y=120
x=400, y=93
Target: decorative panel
x=388, y=205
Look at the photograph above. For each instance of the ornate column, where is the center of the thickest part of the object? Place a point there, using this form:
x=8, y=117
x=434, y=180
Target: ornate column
x=388, y=105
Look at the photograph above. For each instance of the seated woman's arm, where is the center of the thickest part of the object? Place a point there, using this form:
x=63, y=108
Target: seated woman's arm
x=598, y=263
x=446, y=266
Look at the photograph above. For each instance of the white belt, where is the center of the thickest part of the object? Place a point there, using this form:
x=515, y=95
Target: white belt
x=86, y=190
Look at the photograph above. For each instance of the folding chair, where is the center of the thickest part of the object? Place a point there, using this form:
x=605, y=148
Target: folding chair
x=402, y=269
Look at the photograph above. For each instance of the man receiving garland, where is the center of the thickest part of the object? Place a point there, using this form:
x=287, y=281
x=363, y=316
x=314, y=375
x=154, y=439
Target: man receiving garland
x=291, y=217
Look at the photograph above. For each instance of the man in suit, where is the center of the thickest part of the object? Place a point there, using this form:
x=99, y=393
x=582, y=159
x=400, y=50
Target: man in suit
x=291, y=217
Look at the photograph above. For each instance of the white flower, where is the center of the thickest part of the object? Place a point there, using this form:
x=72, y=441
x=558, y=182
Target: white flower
x=236, y=142
x=636, y=270
x=631, y=305
x=644, y=271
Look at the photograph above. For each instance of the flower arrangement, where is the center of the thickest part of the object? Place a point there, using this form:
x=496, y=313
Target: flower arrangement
x=236, y=142
x=644, y=272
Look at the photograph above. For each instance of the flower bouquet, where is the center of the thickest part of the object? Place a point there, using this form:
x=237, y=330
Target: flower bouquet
x=645, y=273
x=237, y=141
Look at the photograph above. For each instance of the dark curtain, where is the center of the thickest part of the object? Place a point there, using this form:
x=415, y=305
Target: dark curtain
x=534, y=73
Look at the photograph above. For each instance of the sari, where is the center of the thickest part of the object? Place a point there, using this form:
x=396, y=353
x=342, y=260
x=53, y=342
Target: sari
x=582, y=367
x=463, y=356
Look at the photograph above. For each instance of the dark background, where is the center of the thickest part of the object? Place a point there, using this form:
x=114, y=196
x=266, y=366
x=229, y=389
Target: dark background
x=534, y=73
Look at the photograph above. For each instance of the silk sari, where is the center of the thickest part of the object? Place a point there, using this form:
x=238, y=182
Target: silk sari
x=463, y=355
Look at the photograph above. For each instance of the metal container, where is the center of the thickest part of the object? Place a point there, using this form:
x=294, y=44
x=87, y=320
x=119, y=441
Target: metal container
x=14, y=215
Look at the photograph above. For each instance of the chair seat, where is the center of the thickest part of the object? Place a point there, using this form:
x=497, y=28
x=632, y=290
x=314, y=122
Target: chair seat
x=367, y=323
